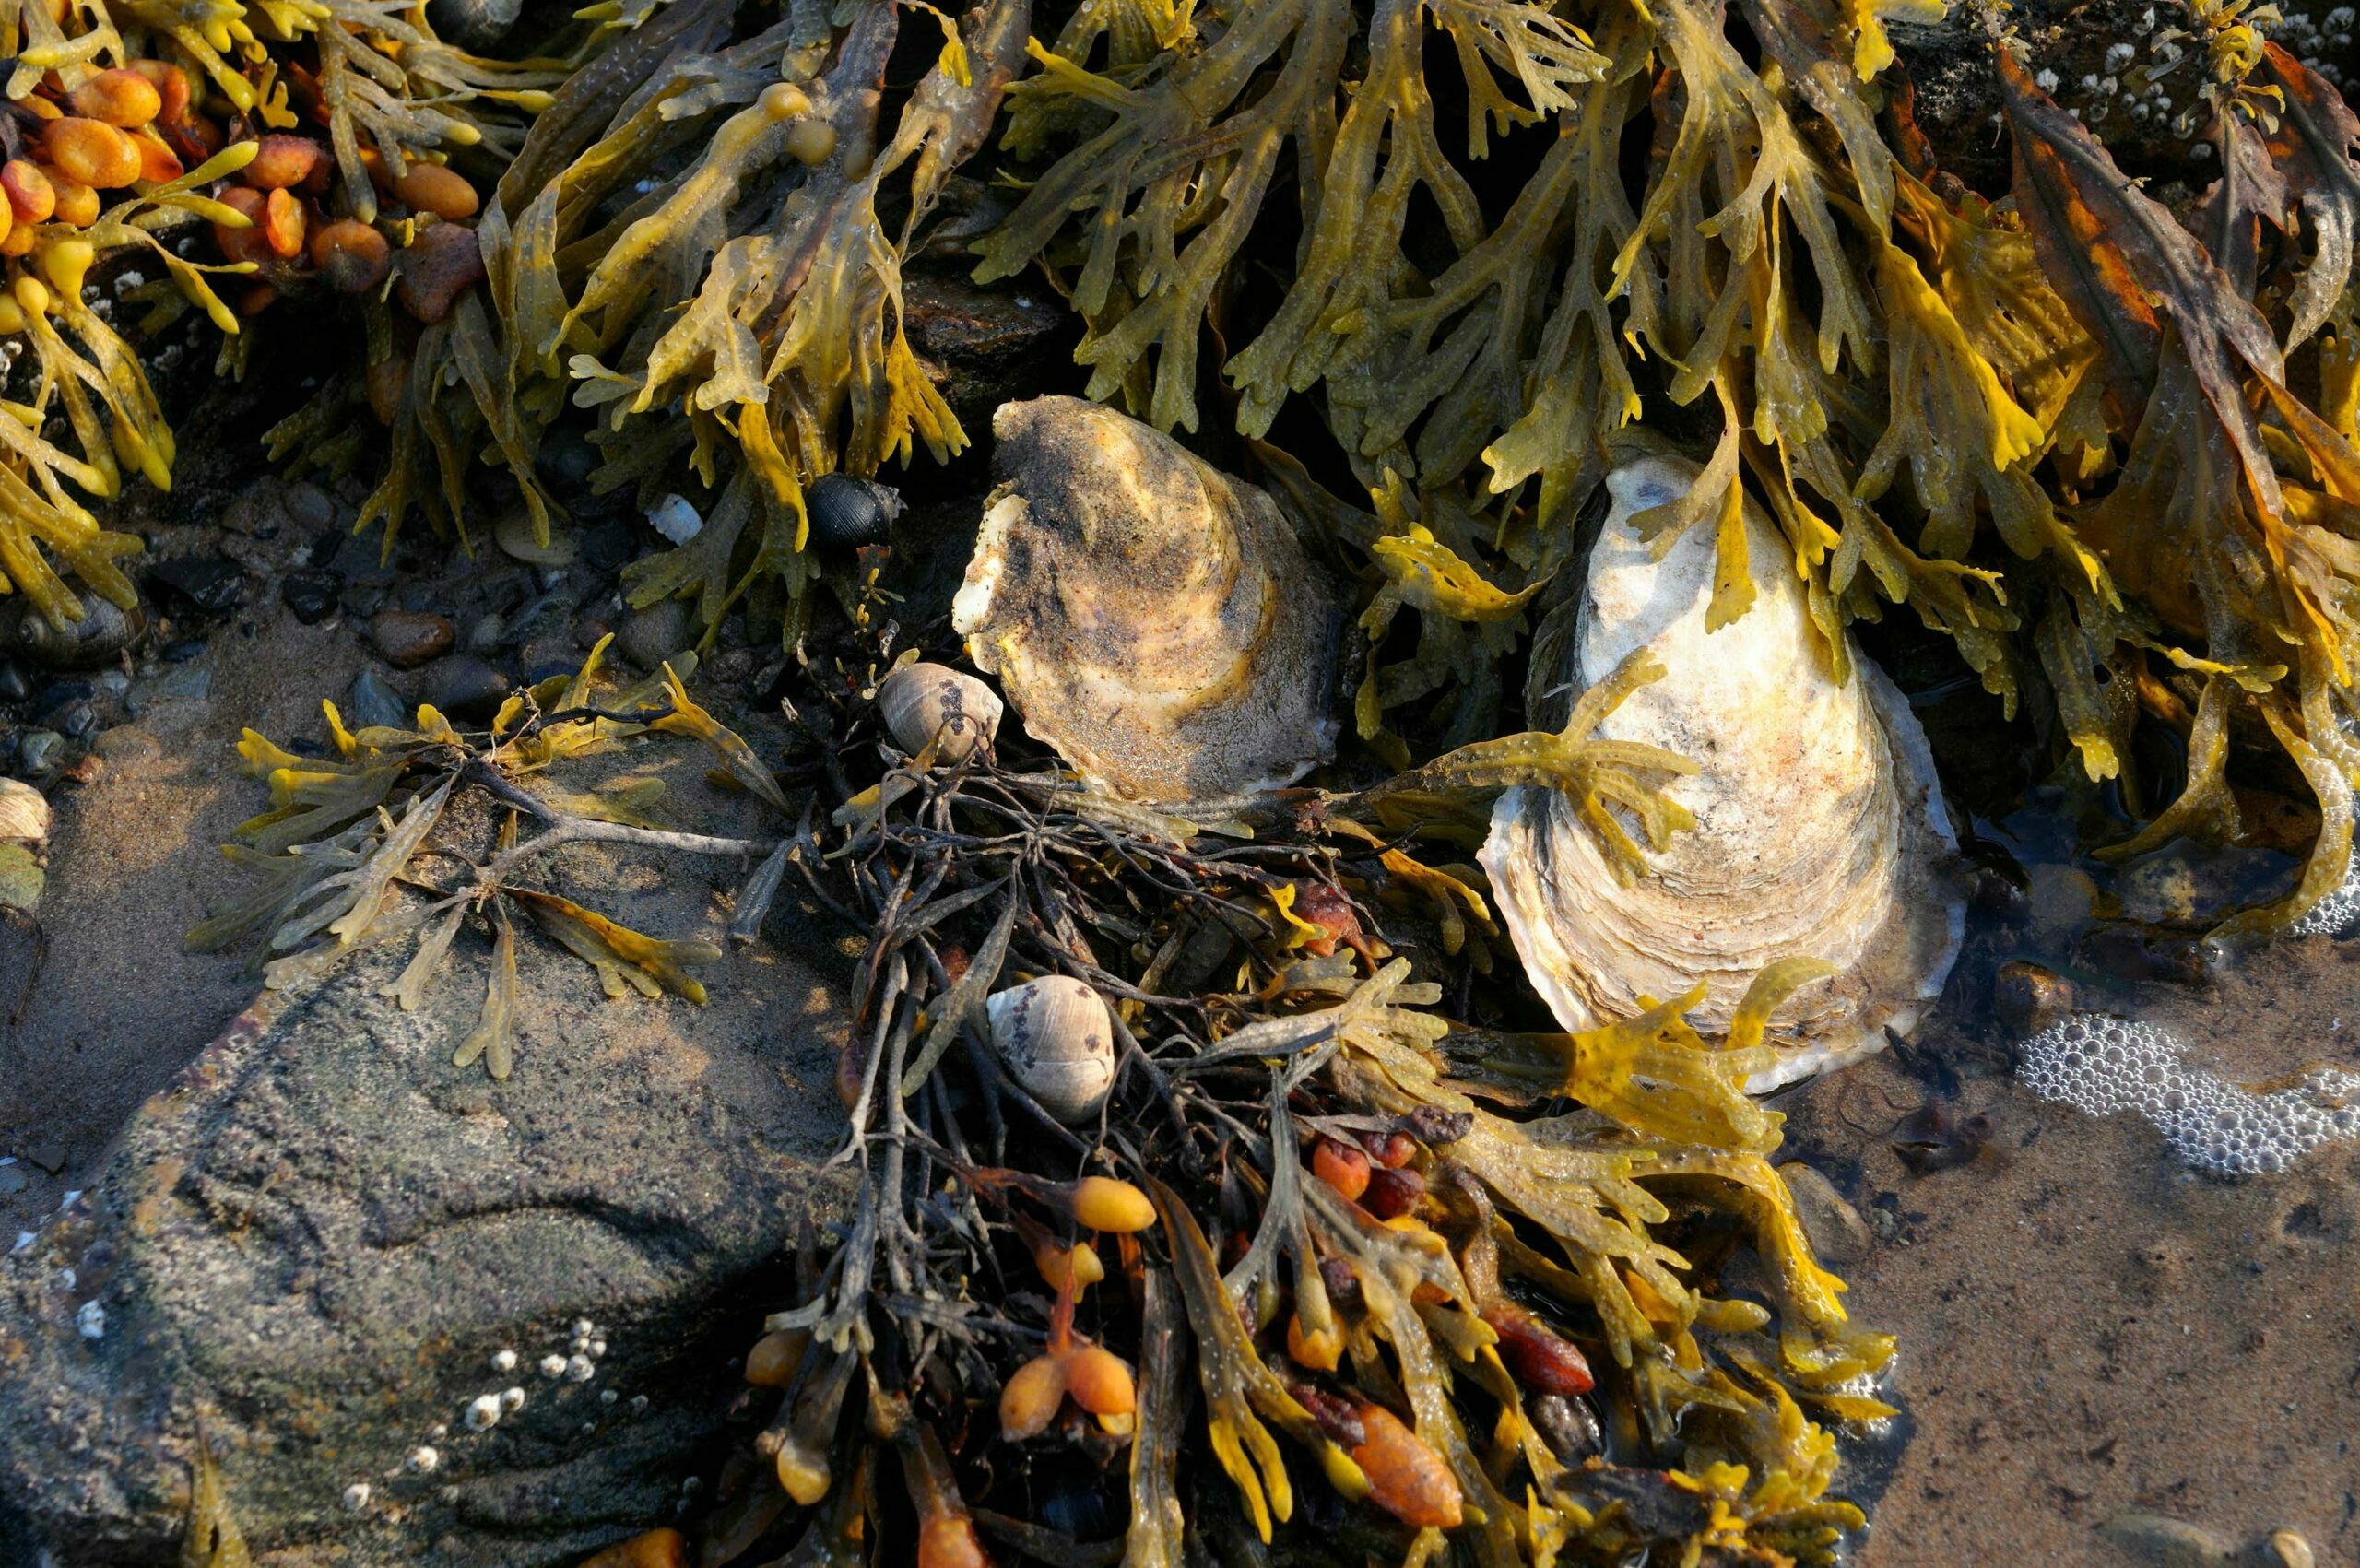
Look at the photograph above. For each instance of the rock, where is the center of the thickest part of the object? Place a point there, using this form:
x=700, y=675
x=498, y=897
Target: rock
x=75, y=720
x=320, y=1237
x=38, y=752
x=2028, y=998
x=309, y=506
x=2166, y=1543
x=514, y=535
x=258, y=512
x=311, y=594
x=13, y=1179
x=1837, y=1232
x=50, y=1156
x=485, y=632
x=2161, y=890
x=471, y=689
x=652, y=635
x=373, y=703
x=2286, y=1549
x=184, y=684
x=995, y=344
x=586, y=635
x=210, y=582
x=14, y=688
x=410, y=638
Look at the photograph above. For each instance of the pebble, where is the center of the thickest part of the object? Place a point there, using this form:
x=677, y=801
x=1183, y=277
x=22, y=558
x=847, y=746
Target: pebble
x=471, y=689
x=514, y=535
x=75, y=720
x=2029, y=999
x=586, y=635
x=2166, y=1543
x=211, y=582
x=310, y=594
x=1837, y=1232
x=308, y=505
x=410, y=638
x=39, y=751
x=652, y=635
x=2287, y=1549
x=14, y=688
x=676, y=518
x=484, y=631
x=12, y=1181
x=50, y=1156
x=373, y=702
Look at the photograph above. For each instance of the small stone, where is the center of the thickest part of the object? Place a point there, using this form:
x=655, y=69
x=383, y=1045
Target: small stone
x=652, y=635
x=2166, y=1543
x=259, y=512
x=14, y=688
x=471, y=689
x=210, y=582
x=13, y=1180
x=514, y=535
x=310, y=594
x=76, y=719
x=114, y=683
x=568, y=456
x=38, y=752
x=373, y=702
x=2287, y=1549
x=2029, y=999
x=586, y=635
x=49, y=1157
x=410, y=638
x=308, y=506
x=1837, y=1232
x=2161, y=890
x=181, y=650
x=484, y=632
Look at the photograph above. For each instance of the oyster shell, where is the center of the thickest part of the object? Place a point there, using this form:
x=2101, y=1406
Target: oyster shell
x=1819, y=831
x=1152, y=617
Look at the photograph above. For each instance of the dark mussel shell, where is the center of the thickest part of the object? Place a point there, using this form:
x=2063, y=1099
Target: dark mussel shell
x=847, y=512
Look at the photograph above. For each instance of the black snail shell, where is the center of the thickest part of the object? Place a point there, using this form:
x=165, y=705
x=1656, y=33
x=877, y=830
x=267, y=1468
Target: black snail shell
x=104, y=631
x=847, y=512
x=473, y=24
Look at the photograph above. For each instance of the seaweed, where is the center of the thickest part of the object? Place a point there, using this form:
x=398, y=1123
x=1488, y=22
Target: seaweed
x=342, y=861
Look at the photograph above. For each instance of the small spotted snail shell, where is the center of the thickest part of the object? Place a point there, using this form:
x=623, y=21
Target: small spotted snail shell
x=920, y=702
x=1058, y=1042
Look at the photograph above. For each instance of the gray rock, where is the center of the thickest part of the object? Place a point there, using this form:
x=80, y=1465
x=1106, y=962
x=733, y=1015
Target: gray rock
x=2165, y=1542
x=1837, y=1232
x=652, y=635
x=320, y=1238
x=373, y=701
x=38, y=752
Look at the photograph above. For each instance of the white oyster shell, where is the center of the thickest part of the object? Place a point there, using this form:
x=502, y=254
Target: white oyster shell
x=1820, y=828
x=1152, y=617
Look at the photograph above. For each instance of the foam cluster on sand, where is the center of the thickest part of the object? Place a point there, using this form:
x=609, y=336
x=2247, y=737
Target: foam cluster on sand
x=2338, y=915
x=2102, y=1065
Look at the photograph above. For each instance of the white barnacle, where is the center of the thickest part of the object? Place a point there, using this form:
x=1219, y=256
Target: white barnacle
x=483, y=1412
x=503, y=1362
x=2117, y=55
x=92, y=1321
x=581, y=1369
x=598, y=1349
x=425, y=1459
x=356, y=1497
x=607, y=1396
x=552, y=1365
x=584, y=1328
x=2045, y=80
x=638, y=1404
x=511, y=1400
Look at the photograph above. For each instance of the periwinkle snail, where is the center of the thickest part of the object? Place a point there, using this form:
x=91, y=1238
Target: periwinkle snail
x=1057, y=1043
x=847, y=512
x=922, y=701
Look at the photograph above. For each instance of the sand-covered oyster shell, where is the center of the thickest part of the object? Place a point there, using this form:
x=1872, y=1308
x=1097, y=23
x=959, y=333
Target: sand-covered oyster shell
x=1819, y=831
x=1152, y=617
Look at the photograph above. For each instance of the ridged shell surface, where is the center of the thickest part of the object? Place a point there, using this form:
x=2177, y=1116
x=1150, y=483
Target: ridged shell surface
x=922, y=701
x=1819, y=829
x=1057, y=1043
x=24, y=814
x=1152, y=617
